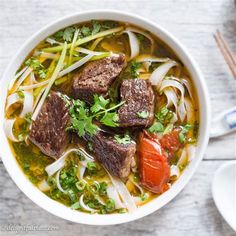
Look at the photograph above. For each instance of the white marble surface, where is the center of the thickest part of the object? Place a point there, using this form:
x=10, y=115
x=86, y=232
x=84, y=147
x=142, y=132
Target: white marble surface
x=193, y=22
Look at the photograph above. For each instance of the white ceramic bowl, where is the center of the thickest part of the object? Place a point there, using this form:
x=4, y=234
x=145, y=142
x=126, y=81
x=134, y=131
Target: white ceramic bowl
x=60, y=210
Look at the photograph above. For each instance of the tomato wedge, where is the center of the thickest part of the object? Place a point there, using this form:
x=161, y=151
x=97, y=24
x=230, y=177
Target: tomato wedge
x=153, y=165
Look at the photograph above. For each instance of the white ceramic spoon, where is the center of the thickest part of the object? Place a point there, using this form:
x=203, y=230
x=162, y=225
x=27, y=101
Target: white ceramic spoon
x=224, y=123
x=224, y=192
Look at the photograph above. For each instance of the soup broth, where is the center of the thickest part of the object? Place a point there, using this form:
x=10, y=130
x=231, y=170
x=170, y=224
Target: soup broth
x=82, y=176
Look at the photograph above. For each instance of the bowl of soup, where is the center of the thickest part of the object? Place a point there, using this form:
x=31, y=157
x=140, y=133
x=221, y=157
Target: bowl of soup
x=104, y=117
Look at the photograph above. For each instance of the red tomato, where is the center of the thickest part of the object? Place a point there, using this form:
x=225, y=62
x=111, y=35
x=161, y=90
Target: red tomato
x=153, y=165
x=170, y=142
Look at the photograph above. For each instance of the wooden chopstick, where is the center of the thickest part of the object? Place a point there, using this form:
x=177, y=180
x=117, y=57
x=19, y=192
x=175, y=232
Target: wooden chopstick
x=227, y=53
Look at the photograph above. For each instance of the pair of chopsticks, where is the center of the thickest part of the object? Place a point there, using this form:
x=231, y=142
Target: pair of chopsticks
x=227, y=53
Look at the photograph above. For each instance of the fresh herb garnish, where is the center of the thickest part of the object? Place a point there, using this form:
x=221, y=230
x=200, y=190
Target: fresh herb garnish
x=102, y=188
x=156, y=127
x=82, y=117
x=37, y=67
x=134, y=69
x=122, y=139
x=183, y=132
x=110, y=205
x=143, y=114
x=66, y=34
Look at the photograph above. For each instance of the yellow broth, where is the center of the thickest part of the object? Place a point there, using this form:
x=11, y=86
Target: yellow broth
x=33, y=162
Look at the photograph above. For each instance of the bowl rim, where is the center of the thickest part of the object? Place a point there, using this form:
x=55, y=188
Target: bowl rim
x=65, y=212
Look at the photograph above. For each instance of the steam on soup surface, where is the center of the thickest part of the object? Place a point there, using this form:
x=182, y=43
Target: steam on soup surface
x=102, y=116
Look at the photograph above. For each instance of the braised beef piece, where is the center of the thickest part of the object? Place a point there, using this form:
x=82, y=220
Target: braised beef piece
x=48, y=130
x=116, y=158
x=139, y=100
x=97, y=77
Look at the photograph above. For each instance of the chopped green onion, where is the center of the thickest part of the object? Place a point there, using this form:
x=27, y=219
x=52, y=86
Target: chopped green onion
x=110, y=205
x=80, y=185
x=75, y=206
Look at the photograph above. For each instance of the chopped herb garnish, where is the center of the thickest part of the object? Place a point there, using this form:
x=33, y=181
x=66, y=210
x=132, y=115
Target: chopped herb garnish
x=143, y=114
x=96, y=27
x=134, y=69
x=102, y=188
x=75, y=206
x=122, y=139
x=42, y=73
x=161, y=115
x=183, y=132
x=82, y=117
x=37, y=67
x=86, y=31
x=66, y=34
x=110, y=205
x=156, y=127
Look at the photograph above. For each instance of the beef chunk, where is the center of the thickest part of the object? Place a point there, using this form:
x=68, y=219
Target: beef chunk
x=97, y=77
x=117, y=158
x=139, y=97
x=48, y=130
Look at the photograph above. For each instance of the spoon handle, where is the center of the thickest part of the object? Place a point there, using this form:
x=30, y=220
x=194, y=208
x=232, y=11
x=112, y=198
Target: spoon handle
x=224, y=123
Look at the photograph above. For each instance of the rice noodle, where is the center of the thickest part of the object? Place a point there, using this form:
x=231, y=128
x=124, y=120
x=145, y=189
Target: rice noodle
x=174, y=171
x=144, y=34
x=160, y=72
x=58, y=182
x=51, y=82
x=84, y=206
x=59, y=163
x=134, y=44
x=8, y=129
x=151, y=58
x=21, y=79
x=112, y=193
x=28, y=103
x=183, y=158
x=11, y=99
x=189, y=109
x=81, y=171
x=33, y=86
x=12, y=82
x=188, y=86
x=124, y=193
x=171, y=98
x=43, y=186
x=175, y=84
x=191, y=150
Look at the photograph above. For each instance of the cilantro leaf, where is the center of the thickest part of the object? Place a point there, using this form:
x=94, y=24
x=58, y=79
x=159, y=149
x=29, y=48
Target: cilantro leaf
x=156, y=127
x=143, y=114
x=42, y=73
x=86, y=31
x=99, y=103
x=68, y=34
x=110, y=119
x=122, y=139
x=96, y=27
x=33, y=63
